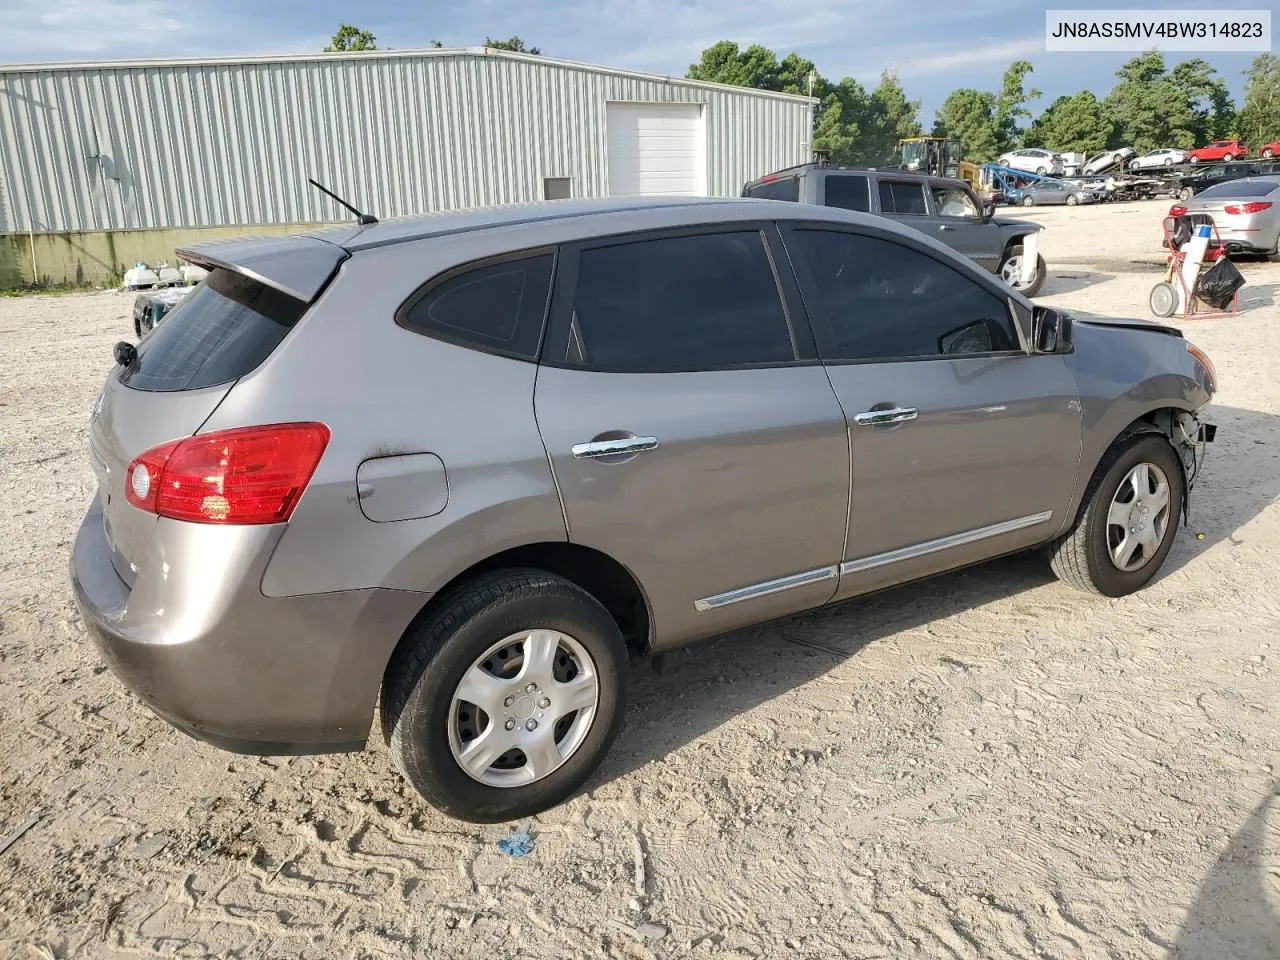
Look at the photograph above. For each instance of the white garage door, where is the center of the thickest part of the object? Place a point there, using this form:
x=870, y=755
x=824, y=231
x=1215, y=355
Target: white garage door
x=656, y=148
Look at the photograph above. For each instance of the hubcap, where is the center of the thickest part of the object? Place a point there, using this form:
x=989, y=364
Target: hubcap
x=523, y=708
x=1138, y=517
x=1011, y=272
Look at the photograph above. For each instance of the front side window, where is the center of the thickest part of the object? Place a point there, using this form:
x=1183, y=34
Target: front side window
x=701, y=302
x=498, y=307
x=887, y=301
x=952, y=201
x=903, y=197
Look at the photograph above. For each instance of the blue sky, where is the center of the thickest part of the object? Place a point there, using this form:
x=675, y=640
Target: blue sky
x=935, y=45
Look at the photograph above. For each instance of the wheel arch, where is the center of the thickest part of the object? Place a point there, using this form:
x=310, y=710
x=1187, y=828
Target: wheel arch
x=599, y=574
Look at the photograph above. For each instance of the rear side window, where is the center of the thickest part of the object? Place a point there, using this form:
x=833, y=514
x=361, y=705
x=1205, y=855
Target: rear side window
x=702, y=302
x=847, y=193
x=222, y=331
x=786, y=189
x=497, y=307
x=902, y=197
x=886, y=301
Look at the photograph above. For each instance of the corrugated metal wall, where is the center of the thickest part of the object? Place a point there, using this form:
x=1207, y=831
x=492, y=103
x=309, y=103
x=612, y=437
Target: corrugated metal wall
x=192, y=144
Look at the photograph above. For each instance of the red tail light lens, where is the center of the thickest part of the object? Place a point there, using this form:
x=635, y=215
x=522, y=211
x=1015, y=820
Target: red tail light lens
x=1177, y=210
x=1247, y=207
x=248, y=475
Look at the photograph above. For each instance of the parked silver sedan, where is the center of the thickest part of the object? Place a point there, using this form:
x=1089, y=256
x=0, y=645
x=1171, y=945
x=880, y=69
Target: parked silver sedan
x=465, y=467
x=1246, y=213
x=1049, y=192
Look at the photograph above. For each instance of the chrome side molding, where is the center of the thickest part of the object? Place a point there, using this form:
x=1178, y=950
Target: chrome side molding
x=611, y=448
x=943, y=543
x=766, y=588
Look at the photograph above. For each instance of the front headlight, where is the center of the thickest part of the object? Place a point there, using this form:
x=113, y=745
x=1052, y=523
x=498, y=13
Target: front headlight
x=1210, y=373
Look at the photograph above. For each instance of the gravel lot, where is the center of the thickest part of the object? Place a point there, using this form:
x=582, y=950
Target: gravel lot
x=984, y=765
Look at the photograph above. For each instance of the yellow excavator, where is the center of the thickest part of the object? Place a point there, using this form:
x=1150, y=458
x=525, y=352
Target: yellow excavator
x=938, y=157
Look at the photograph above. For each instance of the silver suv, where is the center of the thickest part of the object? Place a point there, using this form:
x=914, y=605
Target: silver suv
x=467, y=466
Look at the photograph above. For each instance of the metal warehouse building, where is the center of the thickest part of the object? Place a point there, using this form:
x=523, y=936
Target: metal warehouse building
x=105, y=163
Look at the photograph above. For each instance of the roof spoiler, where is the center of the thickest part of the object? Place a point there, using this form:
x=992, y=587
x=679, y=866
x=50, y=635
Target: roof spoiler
x=297, y=266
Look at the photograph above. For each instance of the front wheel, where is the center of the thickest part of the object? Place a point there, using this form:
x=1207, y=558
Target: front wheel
x=1028, y=201
x=1186, y=193
x=1125, y=529
x=1011, y=272
x=502, y=701
x=1072, y=200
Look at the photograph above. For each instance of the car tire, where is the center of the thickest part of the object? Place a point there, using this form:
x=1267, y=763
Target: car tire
x=1041, y=171
x=1028, y=201
x=1268, y=154
x=1186, y=193
x=1072, y=200
x=1228, y=157
x=1037, y=280
x=427, y=722
x=1168, y=161
x=1193, y=159
x=1084, y=556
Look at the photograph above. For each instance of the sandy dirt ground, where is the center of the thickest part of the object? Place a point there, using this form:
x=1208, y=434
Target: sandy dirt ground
x=984, y=765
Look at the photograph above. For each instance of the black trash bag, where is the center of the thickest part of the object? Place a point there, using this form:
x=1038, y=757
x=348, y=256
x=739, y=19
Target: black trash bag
x=1184, y=228
x=1217, y=286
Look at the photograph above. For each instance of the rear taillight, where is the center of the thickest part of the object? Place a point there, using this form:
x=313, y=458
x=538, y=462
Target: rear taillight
x=1247, y=207
x=1177, y=210
x=248, y=475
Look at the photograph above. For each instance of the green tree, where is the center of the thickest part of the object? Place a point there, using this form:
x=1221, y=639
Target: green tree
x=515, y=45
x=890, y=117
x=1011, y=105
x=1149, y=108
x=350, y=39
x=723, y=62
x=969, y=116
x=1077, y=124
x=1259, y=120
x=1211, y=111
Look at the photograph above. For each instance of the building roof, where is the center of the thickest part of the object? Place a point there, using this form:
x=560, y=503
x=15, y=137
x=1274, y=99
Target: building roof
x=481, y=52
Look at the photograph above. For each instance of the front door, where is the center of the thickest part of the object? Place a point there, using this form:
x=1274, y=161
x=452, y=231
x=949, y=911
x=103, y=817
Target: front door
x=964, y=444
x=957, y=221
x=692, y=435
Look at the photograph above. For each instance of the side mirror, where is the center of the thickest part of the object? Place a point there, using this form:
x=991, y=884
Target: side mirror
x=1050, y=331
x=988, y=209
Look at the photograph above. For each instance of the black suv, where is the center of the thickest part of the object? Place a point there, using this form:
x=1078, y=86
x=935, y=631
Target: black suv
x=1202, y=178
x=945, y=209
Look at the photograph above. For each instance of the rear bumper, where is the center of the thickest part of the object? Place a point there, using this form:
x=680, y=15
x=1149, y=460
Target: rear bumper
x=198, y=642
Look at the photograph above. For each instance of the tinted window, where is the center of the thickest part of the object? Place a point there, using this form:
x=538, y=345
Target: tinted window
x=884, y=300
x=848, y=193
x=953, y=202
x=902, y=197
x=223, y=330
x=702, y=302
x=497, y=306
x=1241, y=188
x=788, y=189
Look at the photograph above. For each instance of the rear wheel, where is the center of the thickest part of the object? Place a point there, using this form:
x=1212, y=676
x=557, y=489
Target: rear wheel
x=1072, y=200
x=1163, y=300
x=1193, y=159
x=1126, y=527
x=1011, y=272
x=1228, y=157
x=1268, y=153
x=1186, y=193
x=1028, y=201
x=1042, y=170
x=503, y=700
x=1168, y=161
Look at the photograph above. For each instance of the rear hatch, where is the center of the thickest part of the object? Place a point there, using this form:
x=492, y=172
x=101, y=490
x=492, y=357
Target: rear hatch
x=255, y=293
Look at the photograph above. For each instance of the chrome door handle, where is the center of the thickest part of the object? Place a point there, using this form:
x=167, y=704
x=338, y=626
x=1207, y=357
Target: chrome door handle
x=611, y=448
x=945, y=226
x=895, y=415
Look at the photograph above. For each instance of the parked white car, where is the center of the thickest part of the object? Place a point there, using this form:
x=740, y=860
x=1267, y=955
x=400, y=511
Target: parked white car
x=1164, y=157
x=1106, y=160
x=1033, y=160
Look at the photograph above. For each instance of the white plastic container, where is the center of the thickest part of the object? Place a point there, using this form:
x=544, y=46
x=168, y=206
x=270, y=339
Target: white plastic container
x=1195, y=250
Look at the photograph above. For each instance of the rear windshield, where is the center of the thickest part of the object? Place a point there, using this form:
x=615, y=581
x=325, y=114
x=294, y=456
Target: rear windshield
x=1241, y=188
x=788, y=189
x=228, y=326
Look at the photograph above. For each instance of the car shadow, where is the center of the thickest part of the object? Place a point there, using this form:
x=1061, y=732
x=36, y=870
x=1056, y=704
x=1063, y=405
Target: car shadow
x=705, y=684
x=1235, y=914
x=1058, y=282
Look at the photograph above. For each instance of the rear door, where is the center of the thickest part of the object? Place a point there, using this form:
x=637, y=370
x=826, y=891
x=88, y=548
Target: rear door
x=964, y=445
x=907, y=202
x=692, y=434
